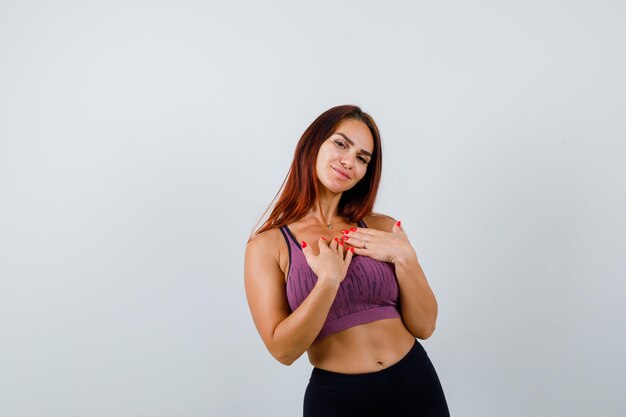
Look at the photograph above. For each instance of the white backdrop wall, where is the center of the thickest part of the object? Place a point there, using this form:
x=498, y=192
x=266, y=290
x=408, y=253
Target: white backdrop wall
x=141, y=141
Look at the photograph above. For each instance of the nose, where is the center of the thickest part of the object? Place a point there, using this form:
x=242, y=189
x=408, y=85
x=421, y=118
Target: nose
x=347, y=161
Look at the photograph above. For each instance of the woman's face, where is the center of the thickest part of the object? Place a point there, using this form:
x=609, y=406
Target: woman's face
x=343, y=158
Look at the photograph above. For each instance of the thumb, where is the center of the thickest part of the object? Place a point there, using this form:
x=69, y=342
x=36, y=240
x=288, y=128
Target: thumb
x=306, y=249
x=322, y=243
x=397, y=227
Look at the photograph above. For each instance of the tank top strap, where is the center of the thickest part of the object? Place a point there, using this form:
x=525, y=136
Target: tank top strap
x=361, y=223
x=285, y=233
x=289, y=237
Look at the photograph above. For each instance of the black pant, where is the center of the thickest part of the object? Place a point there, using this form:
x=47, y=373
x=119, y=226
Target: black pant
x=410, y=387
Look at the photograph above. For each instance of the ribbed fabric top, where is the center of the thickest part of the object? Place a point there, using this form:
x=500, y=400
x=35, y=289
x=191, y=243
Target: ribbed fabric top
x=369, y=292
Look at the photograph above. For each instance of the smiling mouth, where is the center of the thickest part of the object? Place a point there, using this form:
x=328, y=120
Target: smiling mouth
x=342, y=176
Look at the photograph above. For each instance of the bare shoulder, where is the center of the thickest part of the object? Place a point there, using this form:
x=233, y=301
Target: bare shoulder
x=265, y=244
x=379, y=221
x=267, y=237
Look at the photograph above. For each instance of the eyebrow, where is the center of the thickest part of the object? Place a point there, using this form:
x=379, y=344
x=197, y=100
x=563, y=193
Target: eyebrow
x=363, y=151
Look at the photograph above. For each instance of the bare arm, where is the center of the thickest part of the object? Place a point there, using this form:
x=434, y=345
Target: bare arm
x=417, y=301
x=287, y=335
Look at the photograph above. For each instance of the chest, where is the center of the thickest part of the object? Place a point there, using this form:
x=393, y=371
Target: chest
x=364, y=275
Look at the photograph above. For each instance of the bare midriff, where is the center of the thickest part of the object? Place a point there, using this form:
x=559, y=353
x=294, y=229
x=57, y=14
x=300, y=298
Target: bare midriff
x=368, y=347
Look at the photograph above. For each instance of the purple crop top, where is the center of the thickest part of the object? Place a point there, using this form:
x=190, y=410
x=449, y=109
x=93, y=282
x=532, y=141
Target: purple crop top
x=369, y=292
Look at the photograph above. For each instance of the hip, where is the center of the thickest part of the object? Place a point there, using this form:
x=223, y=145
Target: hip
x=409, y=387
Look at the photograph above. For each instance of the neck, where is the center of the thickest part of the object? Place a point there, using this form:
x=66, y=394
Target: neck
x=327, y=203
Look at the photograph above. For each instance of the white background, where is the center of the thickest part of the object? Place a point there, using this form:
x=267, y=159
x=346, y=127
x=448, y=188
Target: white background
x=141, y=141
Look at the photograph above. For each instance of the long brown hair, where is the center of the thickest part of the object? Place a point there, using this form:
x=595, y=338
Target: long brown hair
x=300, y=192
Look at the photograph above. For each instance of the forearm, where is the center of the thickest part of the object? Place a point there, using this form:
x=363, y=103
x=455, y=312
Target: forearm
x=417, y=301
x=293, y=336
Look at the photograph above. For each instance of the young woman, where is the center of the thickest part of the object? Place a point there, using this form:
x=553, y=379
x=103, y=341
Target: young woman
x=327, y=276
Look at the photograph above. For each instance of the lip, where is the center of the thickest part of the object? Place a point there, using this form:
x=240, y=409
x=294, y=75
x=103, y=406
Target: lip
x=342, y=174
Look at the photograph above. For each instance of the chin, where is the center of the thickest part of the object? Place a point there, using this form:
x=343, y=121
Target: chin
x=335, y=188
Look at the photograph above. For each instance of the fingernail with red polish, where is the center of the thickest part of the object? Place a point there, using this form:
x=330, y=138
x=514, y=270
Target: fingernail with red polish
x=351, y=249
x=345, y=232
x=398, y=224
x=341, y=243
x=345, y=238
x=353, y=229
x=323, y=238
x=303, y=244
x=336, y=240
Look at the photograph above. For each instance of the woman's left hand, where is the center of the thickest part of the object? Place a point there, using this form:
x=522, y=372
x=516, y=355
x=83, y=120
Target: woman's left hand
x=389, y=247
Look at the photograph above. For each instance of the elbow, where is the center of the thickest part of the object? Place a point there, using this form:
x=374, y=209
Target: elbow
x=284, y=359
x=288, y=357
x=424, y=333
x=280, y=352
x=427, y=334
x=284, y=351
x=287, y=362
x=428, y=329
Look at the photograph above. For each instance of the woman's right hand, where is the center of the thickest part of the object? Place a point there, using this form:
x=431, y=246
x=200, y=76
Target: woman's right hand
x=331, y=264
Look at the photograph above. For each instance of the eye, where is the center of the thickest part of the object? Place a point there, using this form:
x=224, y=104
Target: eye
x=360, y=158
x=340, y=144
